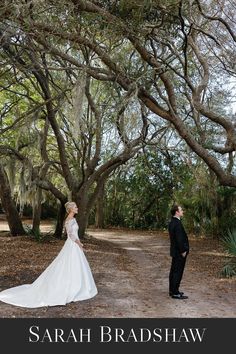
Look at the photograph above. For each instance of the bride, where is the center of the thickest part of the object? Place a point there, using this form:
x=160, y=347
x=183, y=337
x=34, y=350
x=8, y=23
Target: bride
x=68, y=278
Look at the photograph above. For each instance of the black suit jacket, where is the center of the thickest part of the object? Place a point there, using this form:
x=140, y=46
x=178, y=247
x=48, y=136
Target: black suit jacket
x=178, y=238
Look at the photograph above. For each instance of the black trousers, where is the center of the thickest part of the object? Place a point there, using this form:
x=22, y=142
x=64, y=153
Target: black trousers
x=176, y=273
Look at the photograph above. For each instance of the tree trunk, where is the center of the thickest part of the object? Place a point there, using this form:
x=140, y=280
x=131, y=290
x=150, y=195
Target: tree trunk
x=81, y=199
x=99, y=221
x=83, y=222
x=13, y=219
x=60, y=221
x=37, y=208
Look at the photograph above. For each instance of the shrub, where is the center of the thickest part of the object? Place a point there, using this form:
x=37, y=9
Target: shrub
x=229, y=243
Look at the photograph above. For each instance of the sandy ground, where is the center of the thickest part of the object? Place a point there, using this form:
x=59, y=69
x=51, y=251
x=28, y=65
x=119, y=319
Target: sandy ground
x=209, y=296
x=131, y=272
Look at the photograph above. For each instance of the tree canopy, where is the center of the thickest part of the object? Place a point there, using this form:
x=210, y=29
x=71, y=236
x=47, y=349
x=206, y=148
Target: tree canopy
x=86, y=84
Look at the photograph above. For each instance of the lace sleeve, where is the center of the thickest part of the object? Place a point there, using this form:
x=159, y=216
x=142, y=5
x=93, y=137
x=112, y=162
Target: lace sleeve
x=70, y=230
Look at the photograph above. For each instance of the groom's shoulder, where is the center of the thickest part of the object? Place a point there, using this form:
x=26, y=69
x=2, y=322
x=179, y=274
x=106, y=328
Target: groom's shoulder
x=173, y=222
x=173, y=219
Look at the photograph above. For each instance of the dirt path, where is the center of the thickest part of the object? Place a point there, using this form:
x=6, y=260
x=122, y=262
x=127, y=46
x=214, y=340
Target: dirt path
x=131, y=273
x=149, y=256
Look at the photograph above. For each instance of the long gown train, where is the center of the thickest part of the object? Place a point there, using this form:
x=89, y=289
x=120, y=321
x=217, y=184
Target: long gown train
x=68, y=278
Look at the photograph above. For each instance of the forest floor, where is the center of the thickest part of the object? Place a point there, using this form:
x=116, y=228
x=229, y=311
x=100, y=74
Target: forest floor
x=130, y=269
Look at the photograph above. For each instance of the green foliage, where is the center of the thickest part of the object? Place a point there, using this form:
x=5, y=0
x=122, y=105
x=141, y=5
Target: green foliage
x=229, y=270
x=210, y=208
x=136, y=12
x=140, y=195
x=37, y=234
x=229, y=243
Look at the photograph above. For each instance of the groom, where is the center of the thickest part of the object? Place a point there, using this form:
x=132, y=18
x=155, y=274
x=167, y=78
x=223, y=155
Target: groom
x=179, y=249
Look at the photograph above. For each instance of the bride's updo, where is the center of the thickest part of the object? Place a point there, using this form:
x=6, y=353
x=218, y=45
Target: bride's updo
x=69, y=206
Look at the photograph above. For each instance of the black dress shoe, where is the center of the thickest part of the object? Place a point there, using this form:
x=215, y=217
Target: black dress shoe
x=180, y=292
x=179, y=296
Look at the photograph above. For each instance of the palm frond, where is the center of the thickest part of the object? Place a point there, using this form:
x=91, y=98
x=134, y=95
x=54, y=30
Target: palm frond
x=229, y=270
x=229, y=242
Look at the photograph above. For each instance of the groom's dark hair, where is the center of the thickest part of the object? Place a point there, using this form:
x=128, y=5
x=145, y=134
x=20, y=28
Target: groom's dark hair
x=174, y=208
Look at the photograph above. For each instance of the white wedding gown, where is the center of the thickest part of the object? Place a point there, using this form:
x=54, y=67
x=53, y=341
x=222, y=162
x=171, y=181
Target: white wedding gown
x=68, y=278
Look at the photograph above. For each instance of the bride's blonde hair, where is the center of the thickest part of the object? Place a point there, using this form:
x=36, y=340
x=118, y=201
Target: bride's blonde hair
x=69, y=206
